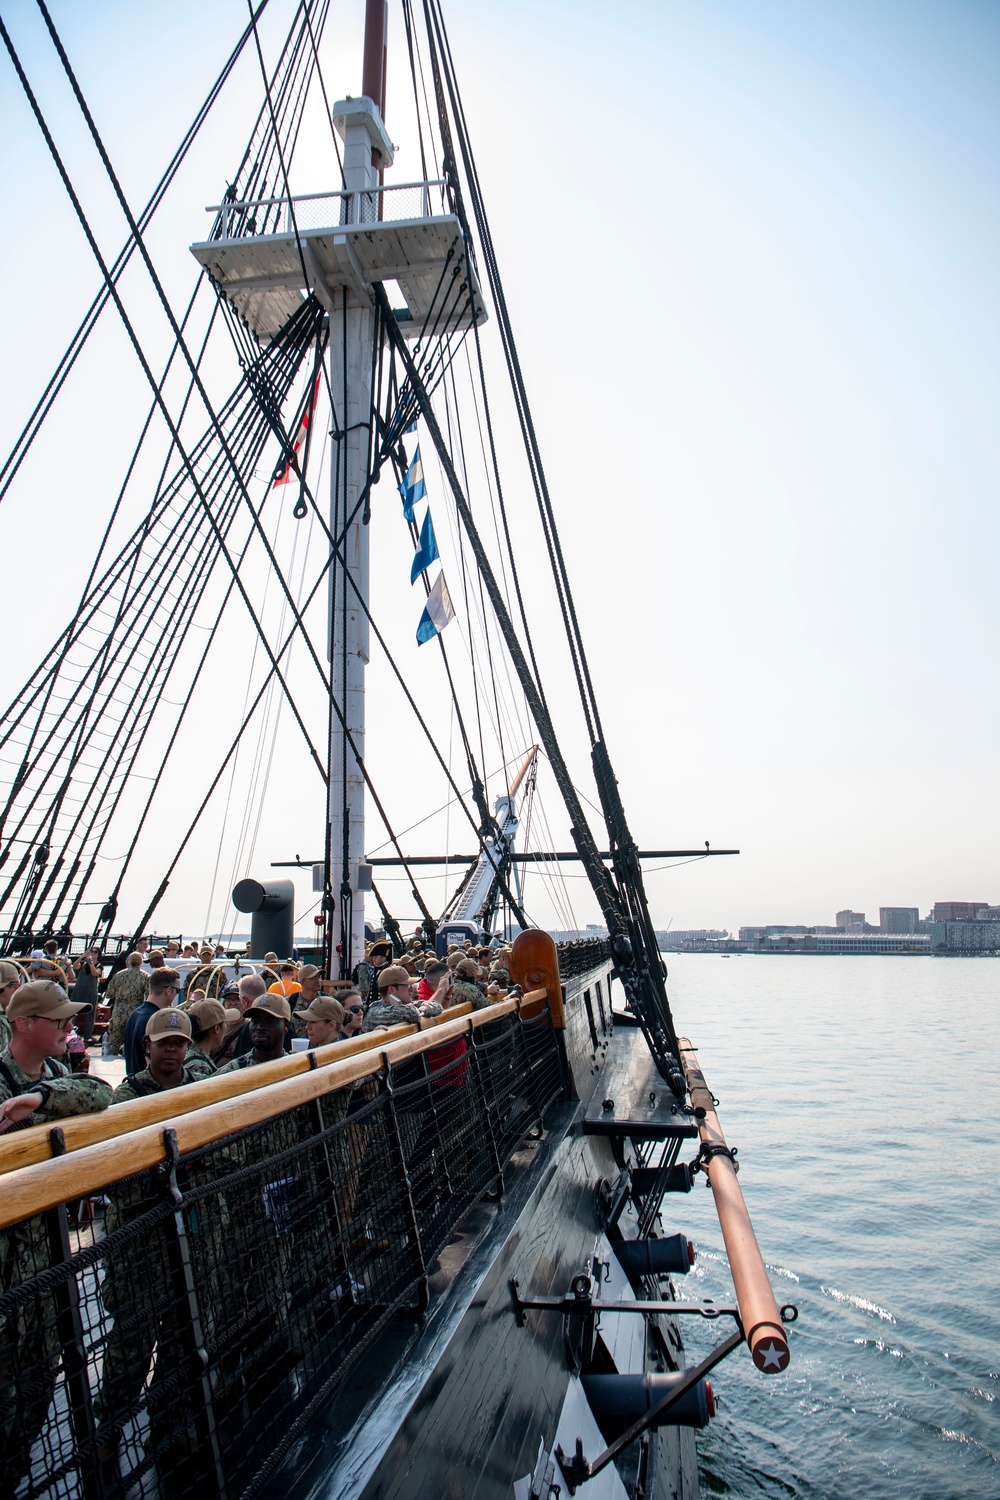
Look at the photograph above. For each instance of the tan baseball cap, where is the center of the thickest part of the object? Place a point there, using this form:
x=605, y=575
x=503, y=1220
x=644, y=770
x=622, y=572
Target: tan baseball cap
x=275, y=1005
x=394, y=974
x=43, y=998
x=322, y=1009
x=206, y=1013
x=308, y=971
x=169, y=1022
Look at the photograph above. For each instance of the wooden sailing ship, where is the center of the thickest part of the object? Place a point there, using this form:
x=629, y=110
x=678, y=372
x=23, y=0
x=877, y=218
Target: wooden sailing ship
x=426, y=1262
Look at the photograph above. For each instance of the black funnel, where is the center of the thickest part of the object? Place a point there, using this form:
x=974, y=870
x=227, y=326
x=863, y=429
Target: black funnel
x=272, y=927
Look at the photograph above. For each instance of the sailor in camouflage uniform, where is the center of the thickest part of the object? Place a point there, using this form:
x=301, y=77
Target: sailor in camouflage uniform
x=269, y=1017
x=168, y=1039
x=142, y=1321
x=127, y=989
x=10, y=981
x=208, y=1021
x=35, y=1089
x=467, y=986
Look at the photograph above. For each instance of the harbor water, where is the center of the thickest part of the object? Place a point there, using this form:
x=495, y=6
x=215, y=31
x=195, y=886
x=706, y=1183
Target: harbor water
x=863, y=1095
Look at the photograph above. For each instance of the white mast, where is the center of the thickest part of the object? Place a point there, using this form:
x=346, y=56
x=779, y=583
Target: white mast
x=374, y=233
x=366, y=150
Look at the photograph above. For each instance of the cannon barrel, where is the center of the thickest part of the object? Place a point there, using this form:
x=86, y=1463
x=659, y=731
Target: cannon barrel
x=618, y=1401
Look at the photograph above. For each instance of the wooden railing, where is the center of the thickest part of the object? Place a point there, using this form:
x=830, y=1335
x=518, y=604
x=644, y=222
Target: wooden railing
x=24, y=1148
x=128, y=1138
x=249, y=1248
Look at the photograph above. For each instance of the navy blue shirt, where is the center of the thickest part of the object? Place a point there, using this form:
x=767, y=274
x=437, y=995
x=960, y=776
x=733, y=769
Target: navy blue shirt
x=135, y=1036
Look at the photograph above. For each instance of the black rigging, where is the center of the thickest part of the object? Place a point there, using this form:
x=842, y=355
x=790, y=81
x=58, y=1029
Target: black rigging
x=77, y=728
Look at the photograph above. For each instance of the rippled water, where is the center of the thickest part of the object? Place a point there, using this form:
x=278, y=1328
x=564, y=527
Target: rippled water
x=864, y=1097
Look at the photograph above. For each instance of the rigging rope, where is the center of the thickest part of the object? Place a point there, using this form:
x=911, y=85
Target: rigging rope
x=57, y=380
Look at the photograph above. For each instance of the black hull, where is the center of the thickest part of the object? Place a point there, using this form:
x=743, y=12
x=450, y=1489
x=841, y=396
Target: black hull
x=457, y=1403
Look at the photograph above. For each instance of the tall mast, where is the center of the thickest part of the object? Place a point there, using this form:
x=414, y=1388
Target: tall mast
x=367, y=152
x=404, y=233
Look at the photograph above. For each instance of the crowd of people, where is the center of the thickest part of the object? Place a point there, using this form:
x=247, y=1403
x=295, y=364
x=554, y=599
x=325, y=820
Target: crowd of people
x=225, y=1020
x=170, y=1035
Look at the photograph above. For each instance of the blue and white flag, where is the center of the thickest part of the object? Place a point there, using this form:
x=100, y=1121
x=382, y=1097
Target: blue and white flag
x=427, y=549
x=438, y=612
x=413, y=488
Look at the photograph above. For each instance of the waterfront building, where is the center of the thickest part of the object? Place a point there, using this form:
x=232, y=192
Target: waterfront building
x=674, y=939
x=846, y=942
x=851, y=921
x=976, y=936
x=959, y=911
x=898, y=919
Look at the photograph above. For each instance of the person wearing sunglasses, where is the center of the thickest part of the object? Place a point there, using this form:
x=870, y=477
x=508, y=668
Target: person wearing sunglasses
x=35, y=1085
x=354, y=1014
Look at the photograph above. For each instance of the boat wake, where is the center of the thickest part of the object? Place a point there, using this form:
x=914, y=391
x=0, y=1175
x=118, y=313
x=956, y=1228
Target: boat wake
x=881, y=1346
x=950, y=1436
x=783, y=1271
x=861, y=1303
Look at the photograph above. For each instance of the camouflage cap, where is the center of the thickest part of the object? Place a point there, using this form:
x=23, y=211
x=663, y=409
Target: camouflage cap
x=206, y=1013
x=322, y=1009
x=43, y=998
x=274, y=1005
x=394, y=974
x=169, y=1022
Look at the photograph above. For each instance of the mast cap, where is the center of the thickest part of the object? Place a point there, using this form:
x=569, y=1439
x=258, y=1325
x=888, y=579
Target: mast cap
x=363, y=111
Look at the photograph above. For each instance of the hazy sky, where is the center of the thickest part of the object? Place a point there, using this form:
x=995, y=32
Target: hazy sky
x=750, y=252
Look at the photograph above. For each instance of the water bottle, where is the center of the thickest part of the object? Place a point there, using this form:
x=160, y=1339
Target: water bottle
x=106, y=1043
